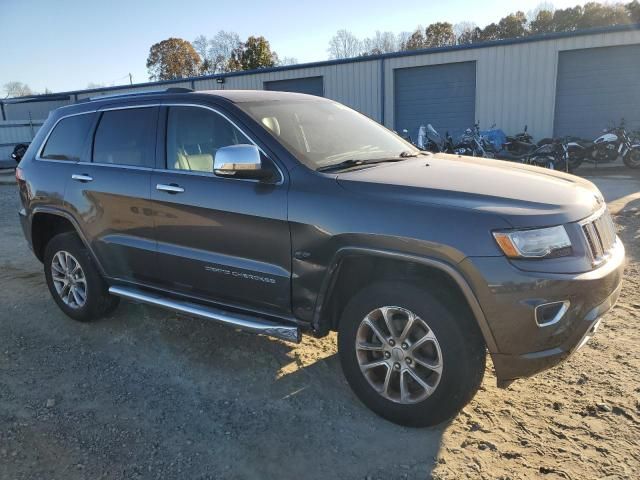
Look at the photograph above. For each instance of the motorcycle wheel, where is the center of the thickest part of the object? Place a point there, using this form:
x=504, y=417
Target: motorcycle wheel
x=632, y=158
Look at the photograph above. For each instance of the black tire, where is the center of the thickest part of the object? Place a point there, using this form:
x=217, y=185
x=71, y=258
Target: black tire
x=461, y=345
x=632, y=158
x=98, y=301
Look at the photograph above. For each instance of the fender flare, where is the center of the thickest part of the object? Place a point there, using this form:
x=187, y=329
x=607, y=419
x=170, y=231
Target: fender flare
x=74, y=223
x=333, y=271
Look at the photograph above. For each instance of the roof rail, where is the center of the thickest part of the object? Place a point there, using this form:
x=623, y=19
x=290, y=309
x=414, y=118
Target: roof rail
x=147, y=92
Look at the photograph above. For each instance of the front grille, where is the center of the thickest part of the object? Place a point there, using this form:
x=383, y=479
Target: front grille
x=600, y=233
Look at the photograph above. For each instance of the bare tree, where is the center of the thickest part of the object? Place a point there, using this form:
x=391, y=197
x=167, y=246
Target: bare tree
x=344, y=44
x=221, y=47
x=16, y=89
x=382, y=42
x=287, y=61
x=466, y=32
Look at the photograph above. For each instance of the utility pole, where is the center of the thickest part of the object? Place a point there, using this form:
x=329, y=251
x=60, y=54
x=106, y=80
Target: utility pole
x=130, y=79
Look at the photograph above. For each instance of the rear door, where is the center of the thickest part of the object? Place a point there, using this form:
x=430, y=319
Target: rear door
x=108, y=192
x=222, y=239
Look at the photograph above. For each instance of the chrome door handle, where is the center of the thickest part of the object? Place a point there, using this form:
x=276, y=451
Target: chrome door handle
x=82, y=177
x=172, y=188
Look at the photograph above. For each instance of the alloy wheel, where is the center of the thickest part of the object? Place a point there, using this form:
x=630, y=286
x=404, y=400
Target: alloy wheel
x=399, y=354
x=69, y=279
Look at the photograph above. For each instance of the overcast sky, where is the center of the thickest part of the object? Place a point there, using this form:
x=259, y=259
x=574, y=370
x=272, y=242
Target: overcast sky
x=63, y=45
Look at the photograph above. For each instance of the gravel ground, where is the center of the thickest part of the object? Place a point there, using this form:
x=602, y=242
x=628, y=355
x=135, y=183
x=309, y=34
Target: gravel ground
x=147, y=394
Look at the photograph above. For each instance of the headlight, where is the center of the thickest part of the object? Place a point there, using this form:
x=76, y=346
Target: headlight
x=538, y=243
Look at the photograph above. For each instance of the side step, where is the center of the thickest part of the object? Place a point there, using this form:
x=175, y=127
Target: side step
x=237, y=320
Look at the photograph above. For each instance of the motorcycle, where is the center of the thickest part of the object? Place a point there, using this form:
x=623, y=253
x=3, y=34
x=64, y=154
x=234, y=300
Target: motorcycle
x=429, y=139
x=613, y=143
x=473, y=144
x=553, y=155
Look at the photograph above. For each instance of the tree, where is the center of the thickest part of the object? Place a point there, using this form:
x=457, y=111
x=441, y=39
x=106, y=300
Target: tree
x=543, y=22
x=382, y=42
x=253, y=54
x=601, y=15
x=93, y=85
x=513, y=25
x=202, y=47
x=567, y=19
x=172, y=59
x=344, y=44
x=634, y=11
x=490, y=32
x=17, y=89
x=257, y=54
x=287, y=61
x=415, y=41
x=466, y=33
x=221, y=47
x=439, y=34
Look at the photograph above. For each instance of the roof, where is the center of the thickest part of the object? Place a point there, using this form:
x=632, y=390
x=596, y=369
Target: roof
x=364, y=58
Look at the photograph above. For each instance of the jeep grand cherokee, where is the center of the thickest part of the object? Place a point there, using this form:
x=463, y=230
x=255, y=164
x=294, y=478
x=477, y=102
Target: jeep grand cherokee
x=282, y=213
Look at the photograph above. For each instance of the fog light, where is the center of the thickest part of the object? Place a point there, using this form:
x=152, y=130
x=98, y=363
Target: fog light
x=550, y=313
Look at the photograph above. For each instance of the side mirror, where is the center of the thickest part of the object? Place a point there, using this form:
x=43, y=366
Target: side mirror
x=240, y=161
x=19, y=151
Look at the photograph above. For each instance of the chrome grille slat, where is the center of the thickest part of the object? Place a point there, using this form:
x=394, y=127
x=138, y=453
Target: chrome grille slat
x=600, y=233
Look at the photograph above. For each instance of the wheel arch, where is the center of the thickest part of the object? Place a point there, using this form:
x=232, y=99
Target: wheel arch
x=47, y=222
x=352, y=266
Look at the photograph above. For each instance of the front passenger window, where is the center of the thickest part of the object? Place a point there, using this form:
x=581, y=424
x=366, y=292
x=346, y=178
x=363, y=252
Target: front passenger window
x=194, y=135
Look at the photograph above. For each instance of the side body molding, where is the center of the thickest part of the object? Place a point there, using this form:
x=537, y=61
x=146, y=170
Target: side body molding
x=333, y=270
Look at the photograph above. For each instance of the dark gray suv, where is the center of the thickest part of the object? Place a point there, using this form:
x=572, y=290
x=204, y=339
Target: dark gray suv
x=282, y=213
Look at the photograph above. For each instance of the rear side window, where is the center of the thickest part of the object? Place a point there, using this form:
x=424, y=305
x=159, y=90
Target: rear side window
x=68, y=138
x=126, y=137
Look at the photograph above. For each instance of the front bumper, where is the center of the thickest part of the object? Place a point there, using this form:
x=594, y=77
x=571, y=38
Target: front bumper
x=509, y=296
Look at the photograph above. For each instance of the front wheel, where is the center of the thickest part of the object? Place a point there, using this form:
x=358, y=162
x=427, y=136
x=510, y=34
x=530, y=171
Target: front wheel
x=409, y=357
x=632, y=158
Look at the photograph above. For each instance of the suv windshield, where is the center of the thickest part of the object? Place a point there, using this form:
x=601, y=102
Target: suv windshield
x=321, y=132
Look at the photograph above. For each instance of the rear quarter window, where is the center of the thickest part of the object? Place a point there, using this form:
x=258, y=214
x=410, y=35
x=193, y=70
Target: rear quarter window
x=68, y=138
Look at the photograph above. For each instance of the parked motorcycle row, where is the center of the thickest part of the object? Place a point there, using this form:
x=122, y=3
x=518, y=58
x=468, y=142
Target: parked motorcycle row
x=564, y=153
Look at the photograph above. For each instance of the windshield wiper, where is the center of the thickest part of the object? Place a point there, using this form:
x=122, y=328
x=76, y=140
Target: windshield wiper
x=356, y=163
x=408, y=154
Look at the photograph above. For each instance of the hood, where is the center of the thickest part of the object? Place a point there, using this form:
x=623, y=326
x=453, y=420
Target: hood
x=523, y=195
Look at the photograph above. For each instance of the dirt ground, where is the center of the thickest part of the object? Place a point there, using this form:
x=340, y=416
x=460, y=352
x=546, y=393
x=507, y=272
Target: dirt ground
x=146, y=394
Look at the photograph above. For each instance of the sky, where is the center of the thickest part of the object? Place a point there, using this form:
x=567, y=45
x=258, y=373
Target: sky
x=64, y=45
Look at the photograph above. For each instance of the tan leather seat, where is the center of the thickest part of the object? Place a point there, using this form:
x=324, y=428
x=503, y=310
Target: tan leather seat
x=272, y=124
x=198, y=163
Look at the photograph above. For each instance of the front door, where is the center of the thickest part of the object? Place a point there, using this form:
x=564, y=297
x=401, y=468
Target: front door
x=220, y=239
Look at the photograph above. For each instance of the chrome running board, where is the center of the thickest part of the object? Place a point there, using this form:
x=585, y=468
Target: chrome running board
x=238, y=320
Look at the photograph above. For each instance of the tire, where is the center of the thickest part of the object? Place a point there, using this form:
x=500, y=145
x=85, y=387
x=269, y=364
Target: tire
x=459, y=344
x=632, y=158
x=95, y=302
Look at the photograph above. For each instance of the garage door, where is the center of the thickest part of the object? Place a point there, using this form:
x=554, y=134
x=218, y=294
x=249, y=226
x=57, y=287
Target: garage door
x=309, y=85
x=442, y=95
x=597, y=87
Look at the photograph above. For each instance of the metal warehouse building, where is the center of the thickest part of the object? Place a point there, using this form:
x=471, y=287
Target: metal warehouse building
x=565, y=83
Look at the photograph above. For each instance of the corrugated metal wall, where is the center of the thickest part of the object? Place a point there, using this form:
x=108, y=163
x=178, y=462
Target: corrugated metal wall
x=515, y=83
x=38, y=110
x=13, y=132
x=354, y=84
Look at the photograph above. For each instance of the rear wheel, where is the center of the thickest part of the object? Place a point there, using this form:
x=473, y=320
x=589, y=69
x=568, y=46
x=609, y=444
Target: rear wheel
x=632, y=158
x=408, y=356
x=74, y=281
